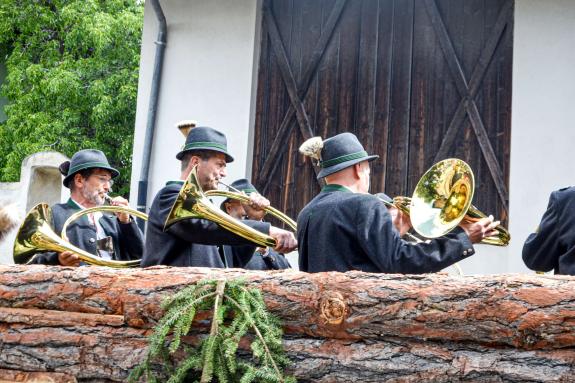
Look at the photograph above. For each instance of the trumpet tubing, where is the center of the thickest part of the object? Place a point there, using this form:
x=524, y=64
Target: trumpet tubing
x=246, y=199
x=105, y=208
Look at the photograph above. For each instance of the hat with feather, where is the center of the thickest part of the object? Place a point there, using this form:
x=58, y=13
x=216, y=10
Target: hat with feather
x=335, y=153
x=204, y=138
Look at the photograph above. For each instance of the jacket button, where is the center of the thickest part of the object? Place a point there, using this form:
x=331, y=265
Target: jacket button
x=92, y=240
x=464, y=252
x=470, y=250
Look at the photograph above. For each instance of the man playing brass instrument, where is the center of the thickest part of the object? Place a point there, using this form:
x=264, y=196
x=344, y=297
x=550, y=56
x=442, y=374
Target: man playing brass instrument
x=195, y=241
x=89, y=176
x=344, y=228
x=264, y=258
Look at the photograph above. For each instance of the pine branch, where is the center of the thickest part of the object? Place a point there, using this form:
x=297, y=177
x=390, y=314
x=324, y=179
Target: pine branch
x=207, y=371
x=235, y=310
x=257, y=331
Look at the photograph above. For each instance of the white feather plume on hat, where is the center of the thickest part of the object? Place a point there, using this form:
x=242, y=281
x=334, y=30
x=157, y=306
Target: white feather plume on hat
x=312, y=148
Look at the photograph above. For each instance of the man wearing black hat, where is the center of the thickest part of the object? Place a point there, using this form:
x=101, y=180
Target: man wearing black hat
x=344, y=228
x=264, y=258
x=552, y=246
x=89, y=177
x=194, y=242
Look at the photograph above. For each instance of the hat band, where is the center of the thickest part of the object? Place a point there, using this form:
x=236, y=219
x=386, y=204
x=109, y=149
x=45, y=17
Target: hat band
x=248, y=190
x=203, y=145
x=87, y=165
x=345, y=158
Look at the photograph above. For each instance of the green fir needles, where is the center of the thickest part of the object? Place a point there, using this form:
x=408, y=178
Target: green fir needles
x=238, y=313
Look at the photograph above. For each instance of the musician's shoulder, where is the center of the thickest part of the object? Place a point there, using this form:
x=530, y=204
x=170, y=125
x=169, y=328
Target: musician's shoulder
x=566, y=190
x=365, y=200
x=61, y=207
x=566, y=193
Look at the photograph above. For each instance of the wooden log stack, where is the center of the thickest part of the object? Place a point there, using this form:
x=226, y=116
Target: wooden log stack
x=92, y=323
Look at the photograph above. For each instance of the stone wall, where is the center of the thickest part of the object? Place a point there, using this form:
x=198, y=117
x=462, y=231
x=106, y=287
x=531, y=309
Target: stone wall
x=40, y=181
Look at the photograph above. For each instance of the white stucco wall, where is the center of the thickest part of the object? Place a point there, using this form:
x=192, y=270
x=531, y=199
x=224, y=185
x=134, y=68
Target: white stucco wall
x=543, y=129
x=207, y=76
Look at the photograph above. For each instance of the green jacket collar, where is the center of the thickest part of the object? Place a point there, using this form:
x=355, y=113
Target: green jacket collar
x=335, y=187
x=74, y=204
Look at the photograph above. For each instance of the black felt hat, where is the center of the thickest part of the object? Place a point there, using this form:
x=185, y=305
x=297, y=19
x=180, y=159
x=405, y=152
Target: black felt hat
x=85, y=159
x=205, y=138
x=242, y=185
x=340, y=152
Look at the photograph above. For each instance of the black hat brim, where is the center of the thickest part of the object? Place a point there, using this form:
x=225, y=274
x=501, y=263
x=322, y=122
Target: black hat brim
x=229, y=158
x=69, y=177
x=336, y=168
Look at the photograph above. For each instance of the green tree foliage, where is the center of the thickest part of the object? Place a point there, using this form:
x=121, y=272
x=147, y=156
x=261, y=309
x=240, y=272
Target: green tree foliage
x=72, y=79
x=238, y=312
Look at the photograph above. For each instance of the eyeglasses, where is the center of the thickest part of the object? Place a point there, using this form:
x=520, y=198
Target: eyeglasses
x=104, y=179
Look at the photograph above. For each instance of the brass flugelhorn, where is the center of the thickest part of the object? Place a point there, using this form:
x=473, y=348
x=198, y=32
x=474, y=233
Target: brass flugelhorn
x=36, y=235
x=442, y=199
x=192, y=202
x=104, y=208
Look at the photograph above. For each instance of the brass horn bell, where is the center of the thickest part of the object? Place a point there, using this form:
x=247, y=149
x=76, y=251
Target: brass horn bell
x=442, y=199
x=36, y=235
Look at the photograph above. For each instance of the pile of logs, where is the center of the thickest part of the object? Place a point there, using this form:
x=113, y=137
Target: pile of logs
x=91, y=323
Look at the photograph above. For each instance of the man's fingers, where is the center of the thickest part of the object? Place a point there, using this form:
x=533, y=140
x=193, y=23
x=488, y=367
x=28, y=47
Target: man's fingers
x=285, y=240
x=258, y=202
x=489, y=229
x=119, y=201
x=280, y=247
x=68, y=258
x=485, y=221
x=491, y=233
x=285, y=244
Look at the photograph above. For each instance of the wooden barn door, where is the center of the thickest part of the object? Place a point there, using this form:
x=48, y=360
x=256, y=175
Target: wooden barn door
x=416, y=80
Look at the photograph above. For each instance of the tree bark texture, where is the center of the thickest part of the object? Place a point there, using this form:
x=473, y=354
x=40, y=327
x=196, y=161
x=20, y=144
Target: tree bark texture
x=11, y=376
x=92, y=323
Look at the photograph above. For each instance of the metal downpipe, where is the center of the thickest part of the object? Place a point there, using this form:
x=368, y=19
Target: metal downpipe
x=152, y=108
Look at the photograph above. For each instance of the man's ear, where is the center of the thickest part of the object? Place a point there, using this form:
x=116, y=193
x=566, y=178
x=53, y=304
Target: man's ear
x=357, y=170
x=78, y=180
x=194, y=160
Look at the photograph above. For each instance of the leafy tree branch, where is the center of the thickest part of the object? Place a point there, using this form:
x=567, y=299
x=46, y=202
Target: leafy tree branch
x=72, y=78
